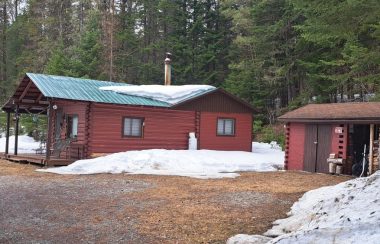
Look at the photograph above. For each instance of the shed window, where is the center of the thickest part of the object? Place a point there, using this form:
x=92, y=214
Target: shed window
x=72, y=126
x=226, y=127
x=133, y=127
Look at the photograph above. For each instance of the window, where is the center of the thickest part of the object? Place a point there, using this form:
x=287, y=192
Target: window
x=72, y=126
x=133, y=127
x=226, y=127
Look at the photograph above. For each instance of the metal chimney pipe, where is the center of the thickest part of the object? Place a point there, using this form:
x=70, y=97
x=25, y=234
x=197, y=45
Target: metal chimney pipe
x=168, y=69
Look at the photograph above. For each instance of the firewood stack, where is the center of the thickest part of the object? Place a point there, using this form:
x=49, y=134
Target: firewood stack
x=376, y=155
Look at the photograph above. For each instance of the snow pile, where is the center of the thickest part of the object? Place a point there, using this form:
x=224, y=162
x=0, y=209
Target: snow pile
x=26, y=144
x=345, y=213
x=247, y=239
x=193, y=163
x=263, y=147
x=169, y=94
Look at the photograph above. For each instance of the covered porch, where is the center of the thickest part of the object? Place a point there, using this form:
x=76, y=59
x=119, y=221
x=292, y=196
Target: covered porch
x=53, y=150
x=36, y=159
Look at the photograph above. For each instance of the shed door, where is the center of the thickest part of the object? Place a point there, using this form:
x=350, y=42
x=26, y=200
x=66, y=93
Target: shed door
x=317, y=148
x=324, y=148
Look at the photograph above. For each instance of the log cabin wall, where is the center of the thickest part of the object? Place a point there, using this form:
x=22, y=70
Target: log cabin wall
x=163, y=128
x=339, y=140
x=219, y=104
x=295, y=146
x=241, y=141
x=217, y=101
x=65, y=108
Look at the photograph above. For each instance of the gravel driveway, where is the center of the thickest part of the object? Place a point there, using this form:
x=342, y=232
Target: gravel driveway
x=45, y=208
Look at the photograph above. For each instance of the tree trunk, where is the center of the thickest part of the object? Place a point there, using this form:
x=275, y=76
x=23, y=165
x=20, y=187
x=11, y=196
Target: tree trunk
x=4, y=40
x=112, y=9
x=16, y=8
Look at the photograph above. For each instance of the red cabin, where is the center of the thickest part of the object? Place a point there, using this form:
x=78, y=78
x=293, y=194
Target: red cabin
x=85, y=121
x=338, y=132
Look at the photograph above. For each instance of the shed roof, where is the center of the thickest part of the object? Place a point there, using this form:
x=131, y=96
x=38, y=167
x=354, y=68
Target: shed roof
x=364, y=111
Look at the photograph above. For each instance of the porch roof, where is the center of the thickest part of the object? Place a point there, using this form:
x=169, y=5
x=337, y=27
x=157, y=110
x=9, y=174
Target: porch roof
x=86, y=90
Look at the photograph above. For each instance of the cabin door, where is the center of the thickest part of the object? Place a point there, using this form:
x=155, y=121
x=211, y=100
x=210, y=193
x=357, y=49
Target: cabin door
x=58, y=124
x=317, y=148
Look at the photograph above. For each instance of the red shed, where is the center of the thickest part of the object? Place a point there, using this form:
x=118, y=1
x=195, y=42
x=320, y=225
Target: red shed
x=339, y=131
x=85, y=121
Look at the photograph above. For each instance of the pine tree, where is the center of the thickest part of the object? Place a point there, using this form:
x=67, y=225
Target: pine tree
x=59, y=63
x=86, y=61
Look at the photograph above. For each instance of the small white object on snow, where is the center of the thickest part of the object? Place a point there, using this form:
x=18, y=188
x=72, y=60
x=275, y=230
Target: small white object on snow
x=193, y=163
x=26, y=144
x=345, y=213
x=169, y=94
x=274, y=145
x=193, y=141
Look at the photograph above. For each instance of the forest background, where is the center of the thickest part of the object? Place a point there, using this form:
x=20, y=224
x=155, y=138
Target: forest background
x=275, y=54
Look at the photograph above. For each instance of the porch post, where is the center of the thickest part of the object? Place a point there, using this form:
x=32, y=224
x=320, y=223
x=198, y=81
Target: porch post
x=370, y=156
x=49, y=132
x=17, y=116
x=7, y=133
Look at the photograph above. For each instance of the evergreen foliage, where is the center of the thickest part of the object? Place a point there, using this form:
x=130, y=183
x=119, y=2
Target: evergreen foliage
x=276, y=54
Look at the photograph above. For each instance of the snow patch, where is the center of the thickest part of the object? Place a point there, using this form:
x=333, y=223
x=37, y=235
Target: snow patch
x=247, y=239
x=263, y=147
x=345, y=213
x=168, y=94
x=202, y=164
x=26, y=144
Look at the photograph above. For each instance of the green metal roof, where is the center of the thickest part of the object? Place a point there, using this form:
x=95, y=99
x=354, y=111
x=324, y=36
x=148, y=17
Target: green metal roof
x=62, y=87
x=87, y=90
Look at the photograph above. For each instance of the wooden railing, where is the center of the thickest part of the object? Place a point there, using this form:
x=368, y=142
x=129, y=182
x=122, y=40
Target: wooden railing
x=75, y=151
x=67, y=149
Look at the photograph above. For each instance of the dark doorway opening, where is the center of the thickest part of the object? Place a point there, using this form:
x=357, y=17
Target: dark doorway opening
x=358, y=137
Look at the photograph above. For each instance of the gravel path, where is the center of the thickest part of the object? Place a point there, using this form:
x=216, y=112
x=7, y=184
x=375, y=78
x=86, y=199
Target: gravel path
x=45, y=208
x=84, y=209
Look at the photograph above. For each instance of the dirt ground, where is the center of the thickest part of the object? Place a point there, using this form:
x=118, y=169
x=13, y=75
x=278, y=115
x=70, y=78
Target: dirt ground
x=46, y=208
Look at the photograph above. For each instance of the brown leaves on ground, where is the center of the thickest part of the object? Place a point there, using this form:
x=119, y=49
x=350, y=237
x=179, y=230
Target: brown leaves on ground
x=145, y=208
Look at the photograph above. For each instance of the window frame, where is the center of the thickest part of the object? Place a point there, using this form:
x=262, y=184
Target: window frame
x=233, y=127
x=69, y=126
x=141, y=130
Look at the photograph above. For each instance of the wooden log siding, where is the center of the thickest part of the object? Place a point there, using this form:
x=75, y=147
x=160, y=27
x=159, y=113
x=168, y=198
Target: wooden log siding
x=163, y=128
x=78, y=108
x=217, y=101
x=296, y=146
x=198, y=127
x=241, y=141
x=70, y=108
x=339, y=141
x=88, y=130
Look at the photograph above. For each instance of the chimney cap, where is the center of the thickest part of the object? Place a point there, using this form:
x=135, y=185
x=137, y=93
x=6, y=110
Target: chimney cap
x=168, y=59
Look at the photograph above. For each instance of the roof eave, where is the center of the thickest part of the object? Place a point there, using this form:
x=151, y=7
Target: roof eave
x=335, y=120
x=7, y=107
